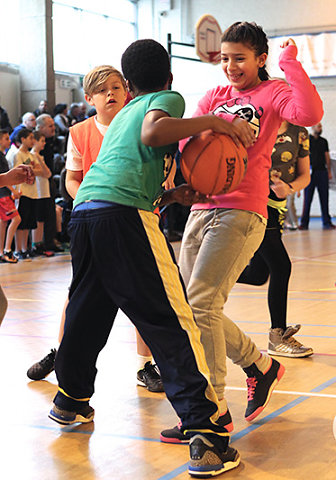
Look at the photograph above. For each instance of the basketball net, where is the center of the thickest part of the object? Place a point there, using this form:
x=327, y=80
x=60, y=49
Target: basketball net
x=214, y=57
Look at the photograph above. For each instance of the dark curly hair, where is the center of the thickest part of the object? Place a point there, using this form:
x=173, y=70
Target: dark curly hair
x=145, y=64
x=252, y=35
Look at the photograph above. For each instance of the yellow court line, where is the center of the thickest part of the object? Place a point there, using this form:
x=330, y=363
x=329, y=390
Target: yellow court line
x=285, y=392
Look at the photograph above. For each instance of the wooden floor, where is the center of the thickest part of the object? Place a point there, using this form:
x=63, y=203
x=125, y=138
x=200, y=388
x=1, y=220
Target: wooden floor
x=292, y=439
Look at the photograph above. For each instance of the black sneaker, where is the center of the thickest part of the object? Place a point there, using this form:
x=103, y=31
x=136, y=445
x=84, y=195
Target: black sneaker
x=260, y=387
x=174, y=435
x=23, y=256
x=8, y=257
x=206, y=460
x=64, y=417
x=150, y=378
x=41, y=369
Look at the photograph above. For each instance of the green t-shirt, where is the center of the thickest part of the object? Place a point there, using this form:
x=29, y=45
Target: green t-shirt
x=127, y=171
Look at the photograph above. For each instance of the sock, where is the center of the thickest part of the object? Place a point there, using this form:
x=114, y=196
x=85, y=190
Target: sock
x=142, y=360
x=263, y=363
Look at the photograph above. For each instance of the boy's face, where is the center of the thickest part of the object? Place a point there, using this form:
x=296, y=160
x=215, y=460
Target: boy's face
x=5, y=142
x=109, y=97
x=40, y=144
x=28, y=142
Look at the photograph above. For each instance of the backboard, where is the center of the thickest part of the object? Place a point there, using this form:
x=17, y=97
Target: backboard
x=208, y=39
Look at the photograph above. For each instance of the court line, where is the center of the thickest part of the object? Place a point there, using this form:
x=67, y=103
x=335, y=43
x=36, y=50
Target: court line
x=289, y=392
x=181, y=469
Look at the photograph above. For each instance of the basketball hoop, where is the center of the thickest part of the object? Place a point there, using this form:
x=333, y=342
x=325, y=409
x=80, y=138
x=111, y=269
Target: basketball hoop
x=208, y=39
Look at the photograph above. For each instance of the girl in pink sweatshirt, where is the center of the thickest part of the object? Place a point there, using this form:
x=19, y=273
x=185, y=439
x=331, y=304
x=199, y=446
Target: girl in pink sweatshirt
x=222, y=235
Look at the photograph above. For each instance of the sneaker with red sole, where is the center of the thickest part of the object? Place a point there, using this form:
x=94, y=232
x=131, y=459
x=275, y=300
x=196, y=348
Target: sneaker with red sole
x=174, y=435
x=260, y=387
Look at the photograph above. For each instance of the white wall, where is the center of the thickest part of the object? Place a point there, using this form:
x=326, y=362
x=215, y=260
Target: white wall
x=10, y=92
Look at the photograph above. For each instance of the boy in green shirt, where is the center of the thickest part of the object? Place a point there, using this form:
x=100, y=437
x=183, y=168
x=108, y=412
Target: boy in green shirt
x=121, y=259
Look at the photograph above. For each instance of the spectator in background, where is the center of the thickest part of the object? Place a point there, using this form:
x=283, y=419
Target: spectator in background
x=46, y=125
x=4, y=121
x=92, y=112
x=28, y=122
x=42, y=108
x=320, y=167
x=73, y=114
x=9, y=216
x=44, y=202
x=29, y=194
x=10, y=155
x=82, y=112
x=61, y=120
x=62, y=126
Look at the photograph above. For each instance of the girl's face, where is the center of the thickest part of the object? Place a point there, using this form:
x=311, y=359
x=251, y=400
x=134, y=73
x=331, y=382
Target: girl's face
x=241, y=65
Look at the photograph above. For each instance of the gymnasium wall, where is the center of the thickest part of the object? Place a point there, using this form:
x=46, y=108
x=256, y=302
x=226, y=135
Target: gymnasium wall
x=157, y=18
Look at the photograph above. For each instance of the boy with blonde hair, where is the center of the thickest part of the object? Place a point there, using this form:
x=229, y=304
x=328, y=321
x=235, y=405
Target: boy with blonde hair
x=105, y=89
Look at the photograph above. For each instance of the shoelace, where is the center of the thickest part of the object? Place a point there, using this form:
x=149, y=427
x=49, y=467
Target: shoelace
x=48, y=358
x=152, y=369
x=251, y=386
x=293, y=342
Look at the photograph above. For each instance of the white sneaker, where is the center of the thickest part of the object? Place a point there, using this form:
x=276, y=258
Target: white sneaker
x=282, y=343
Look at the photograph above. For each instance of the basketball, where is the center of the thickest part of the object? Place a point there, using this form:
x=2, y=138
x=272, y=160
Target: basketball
x=211, y=163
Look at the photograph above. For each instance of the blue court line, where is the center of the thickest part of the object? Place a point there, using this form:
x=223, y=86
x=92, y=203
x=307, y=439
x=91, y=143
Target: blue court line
x=181, y=469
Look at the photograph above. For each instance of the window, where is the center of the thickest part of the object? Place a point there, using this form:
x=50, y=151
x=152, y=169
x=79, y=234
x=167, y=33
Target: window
x=85, y=38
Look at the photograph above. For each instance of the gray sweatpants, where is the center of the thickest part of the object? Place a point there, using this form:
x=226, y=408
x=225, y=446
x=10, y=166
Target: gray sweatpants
x=216, y=247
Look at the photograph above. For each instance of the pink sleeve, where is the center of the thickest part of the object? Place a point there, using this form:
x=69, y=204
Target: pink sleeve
x=204, y=107
x=298, y=102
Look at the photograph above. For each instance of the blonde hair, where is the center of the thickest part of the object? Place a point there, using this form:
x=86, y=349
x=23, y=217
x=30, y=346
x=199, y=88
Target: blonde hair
x=97, y=76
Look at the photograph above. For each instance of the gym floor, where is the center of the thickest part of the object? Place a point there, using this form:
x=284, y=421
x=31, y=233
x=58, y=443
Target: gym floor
x=291, y=440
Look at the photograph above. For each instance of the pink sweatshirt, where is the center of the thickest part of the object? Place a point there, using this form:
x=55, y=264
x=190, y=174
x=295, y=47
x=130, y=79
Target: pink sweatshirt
x=264, y=107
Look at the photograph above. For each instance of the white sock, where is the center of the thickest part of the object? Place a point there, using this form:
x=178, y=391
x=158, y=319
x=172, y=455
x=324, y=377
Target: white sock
x=142, y=360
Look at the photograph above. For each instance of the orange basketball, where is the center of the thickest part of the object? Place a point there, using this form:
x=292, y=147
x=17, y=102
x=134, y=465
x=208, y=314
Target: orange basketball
x=211, y=163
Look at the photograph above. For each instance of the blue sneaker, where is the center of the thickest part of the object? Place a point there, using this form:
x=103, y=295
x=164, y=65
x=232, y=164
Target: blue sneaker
x=207, y=461
x=64, y=417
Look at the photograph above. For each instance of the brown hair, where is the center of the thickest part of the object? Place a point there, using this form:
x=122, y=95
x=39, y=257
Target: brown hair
x=97, y=76
x=3, y=133
x=249, y=34
x=38, y=135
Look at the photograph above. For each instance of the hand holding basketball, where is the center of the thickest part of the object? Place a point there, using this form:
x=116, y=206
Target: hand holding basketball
x=212, y=163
